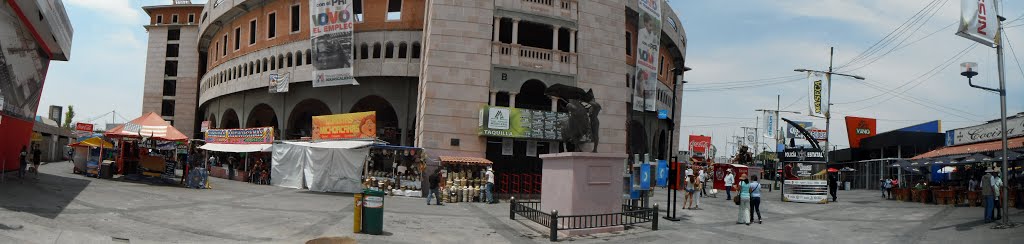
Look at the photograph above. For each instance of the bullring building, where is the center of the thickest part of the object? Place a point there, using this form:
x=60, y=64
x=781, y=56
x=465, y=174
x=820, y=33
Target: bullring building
x=426, y=67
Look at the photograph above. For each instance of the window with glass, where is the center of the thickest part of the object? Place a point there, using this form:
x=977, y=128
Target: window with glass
x=394, y=10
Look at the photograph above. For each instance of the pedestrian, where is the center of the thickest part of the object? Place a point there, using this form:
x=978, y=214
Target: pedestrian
x=972, y=185
x=689, y=184
x=435, y=186
x=997, y=186
x=37, y=158
x=888, y=187
x=987, y=190
x=833, y=185
x=881, y=186
x=23, y=162
x=755, y=199
x=744, y=194
x=730, y=181
x=231, y=168
x=490, y=186
x=703, y=180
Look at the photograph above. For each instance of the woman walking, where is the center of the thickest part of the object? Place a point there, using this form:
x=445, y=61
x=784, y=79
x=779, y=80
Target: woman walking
x=744, y=195
x=755, y=199
x=688, y=200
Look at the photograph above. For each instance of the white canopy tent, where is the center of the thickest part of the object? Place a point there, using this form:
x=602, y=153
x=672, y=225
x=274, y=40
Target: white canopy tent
x=331, y=166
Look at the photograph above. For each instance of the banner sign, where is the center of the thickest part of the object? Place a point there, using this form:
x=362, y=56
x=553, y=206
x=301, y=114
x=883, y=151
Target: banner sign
x=83, y=127
x=792, y=132
x=978, y=21
x=931, y=127
x=330, y=35
x=818, y=90
x=345, y=126
x=647, y=53
x=662, y=175
x=804, y=173
x=699, y=144
x=859, y=128
x=802, y=155
x=986, y=132
x=769, y=124
x=645, y=176
x=521, y=123
x=261, y=135
x=750, y=137
x=279, y=82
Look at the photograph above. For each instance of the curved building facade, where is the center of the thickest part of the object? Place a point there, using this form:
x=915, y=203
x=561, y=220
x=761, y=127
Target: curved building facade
x=428, y=67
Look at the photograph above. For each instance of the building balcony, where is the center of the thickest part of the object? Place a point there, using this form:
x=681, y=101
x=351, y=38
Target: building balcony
x=516, y=55
x=565, y=9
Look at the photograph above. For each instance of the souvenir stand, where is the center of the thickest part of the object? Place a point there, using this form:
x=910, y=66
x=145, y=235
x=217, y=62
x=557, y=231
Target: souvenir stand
x=138, y=141
x=464, y=178
x=250, y=144
x=88, y=153
x=396, y=170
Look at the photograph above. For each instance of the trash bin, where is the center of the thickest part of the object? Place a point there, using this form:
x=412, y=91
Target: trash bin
x=373, y=212
x=846, y=186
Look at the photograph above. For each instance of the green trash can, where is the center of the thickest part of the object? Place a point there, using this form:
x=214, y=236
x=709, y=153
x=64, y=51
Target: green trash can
x=373, y=212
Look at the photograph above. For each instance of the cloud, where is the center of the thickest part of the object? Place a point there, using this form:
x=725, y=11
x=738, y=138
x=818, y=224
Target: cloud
x=122, y=10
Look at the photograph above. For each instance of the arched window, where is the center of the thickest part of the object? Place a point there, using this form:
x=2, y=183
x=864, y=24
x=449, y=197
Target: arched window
x=403, y=49
x=289, y=59
x=415, y=50
x=309, y=58
x=273, y=63
x=298, y=58
x=245, y=69
x=264, y=64
x=258, y=66
x=280, y=61
x=364, y=51
x=389, y=50
x=376, y=50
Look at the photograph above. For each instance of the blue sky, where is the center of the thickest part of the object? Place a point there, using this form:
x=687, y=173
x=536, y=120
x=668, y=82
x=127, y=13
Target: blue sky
x=728, y=41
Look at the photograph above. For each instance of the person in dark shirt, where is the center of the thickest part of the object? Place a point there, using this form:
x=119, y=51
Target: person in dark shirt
x=435, y=183
x=23, y=162
x=833, y=185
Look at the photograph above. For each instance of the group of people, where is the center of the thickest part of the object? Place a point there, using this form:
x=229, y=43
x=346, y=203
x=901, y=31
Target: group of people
x=886, y=185
x=260, y=173
x=748, y=197
x=991, y=186
x=691, y=184
x=23, y=161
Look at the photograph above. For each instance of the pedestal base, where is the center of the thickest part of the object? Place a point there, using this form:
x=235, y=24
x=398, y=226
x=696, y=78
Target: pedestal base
x=580, y=183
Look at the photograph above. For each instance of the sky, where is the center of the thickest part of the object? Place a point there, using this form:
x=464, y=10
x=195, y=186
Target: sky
x=734, y=47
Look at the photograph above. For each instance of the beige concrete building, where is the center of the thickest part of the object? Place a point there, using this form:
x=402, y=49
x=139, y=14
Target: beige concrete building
x=172, y=69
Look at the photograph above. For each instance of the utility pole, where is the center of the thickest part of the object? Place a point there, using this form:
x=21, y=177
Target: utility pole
x=828, y=102
x=778, y=134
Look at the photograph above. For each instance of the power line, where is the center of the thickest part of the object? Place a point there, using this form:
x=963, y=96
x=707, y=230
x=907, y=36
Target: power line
x=795, y=102
x=732, y=87
x=1014, y=53
x=904, y=39
x=880, y=44
x=919, y=78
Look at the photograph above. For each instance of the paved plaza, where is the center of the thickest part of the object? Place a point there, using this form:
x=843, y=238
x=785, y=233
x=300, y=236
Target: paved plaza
x=61, y=207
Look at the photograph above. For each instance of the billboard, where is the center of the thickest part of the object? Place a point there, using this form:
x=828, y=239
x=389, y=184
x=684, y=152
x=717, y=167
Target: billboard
x=978, y=21
x=859, y=128
x=699, y=144
x=986, y=132
x=83, y=127
x=932, y=127
x=647, y=50
x=330, y=35
x=261, y=135
x=345, y=126
x=521, y=123
x=819, y=94
x=804, y=173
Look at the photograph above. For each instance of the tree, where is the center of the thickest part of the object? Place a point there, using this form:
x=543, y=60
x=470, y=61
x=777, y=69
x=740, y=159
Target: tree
x=70, y=114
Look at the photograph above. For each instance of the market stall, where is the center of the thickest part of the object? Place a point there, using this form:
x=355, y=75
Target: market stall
x=88, y=153
x=397, y=170
x=464, y=178
x=249, y=146
x=329, y=166
x=138, y=141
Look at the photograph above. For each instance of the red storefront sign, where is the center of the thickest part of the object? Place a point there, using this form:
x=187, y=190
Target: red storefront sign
x=83, y=127
x=699, y=144
x=859, y=128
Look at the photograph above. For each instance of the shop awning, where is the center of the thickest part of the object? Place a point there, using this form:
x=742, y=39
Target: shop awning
x=991, y=146
x=149, y=125
x=236, y=148
x=93, y=142
x=464, y=160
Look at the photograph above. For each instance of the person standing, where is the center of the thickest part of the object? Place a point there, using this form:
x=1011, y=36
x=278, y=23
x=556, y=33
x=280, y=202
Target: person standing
x=888, y=187
x=744, y=195
x=689, y=186
x=435, y=186
x=36, y=160
x=23, y=162
x=988, y=193
x=703, y=180
x=755, y=199
x=490, y=186
x=730, y=181
x=833, y=185
x=231, y=168
x=997, y=186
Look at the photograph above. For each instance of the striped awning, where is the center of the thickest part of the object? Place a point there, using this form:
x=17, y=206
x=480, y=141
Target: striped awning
x=464, y=160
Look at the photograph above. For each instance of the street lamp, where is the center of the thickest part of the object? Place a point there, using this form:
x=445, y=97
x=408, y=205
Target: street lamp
x=969, y=70
x=672, y=199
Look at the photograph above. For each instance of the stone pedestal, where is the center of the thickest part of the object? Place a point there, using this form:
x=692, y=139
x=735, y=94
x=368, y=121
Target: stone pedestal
x=583, y=183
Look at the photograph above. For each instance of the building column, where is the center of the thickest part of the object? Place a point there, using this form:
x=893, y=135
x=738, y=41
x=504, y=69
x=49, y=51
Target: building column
x=497, y=28
x=512, y=99
x=494, y=98
x=556, y=55
x=554, y=104
x=515, y=31
x=554, y=37
x=572, y=40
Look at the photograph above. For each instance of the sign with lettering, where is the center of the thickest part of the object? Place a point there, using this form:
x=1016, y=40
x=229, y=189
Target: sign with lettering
x=261, y=135
x=521, y=123
x=345, y=126
x=330, y=34
x=83, y=127
x=802, y=155
x=986, y=132
x=978, y=21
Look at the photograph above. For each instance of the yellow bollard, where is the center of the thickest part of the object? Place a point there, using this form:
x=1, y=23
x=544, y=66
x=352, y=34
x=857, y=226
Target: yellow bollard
x=357, y=213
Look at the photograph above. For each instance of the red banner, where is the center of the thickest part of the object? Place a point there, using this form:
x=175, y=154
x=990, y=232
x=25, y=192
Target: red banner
x=699, y=144
x=83, y=127
x=859, y=128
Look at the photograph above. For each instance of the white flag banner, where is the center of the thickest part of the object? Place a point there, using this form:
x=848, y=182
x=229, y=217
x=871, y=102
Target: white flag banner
x=330, y=34
x=769, y=124
x=978, y=21
x=818, y=94
x=750, y=136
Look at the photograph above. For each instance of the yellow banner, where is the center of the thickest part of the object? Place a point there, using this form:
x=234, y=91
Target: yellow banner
x=345, y=126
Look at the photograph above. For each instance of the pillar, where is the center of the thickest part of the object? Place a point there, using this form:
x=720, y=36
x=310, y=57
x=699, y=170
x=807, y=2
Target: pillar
x=494, y=98
x=515, y=31
x=554, y=37
x=554, y=104
x=497, y=28
x=572, y=40
x=512, y=99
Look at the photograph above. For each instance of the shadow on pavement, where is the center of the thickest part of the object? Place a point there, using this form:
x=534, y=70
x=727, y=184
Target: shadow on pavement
x=46, y=196
x=964, y=226
x=337, y=194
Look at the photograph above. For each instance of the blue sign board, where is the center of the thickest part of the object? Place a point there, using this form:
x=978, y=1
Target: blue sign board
x=950, y=137
x=645, y=177
x=662, y=176
x=933, y=127
x=662, y=114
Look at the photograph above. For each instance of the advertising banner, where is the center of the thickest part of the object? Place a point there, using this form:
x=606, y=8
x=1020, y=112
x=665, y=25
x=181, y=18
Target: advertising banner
x=647, y=61
x=261, y=135
x=859, y=128
x=750, y=137
x=662, y=175
x=331, y=35
x=83, y=127
x=645, y=176
x=804, y=172
x=769, y=124
x=792, y=132
x=699, y=144
x=986, y=132
x=521, y=123
x=818, y=90
x=279, y=82
x=978, y=21
x=345, y=126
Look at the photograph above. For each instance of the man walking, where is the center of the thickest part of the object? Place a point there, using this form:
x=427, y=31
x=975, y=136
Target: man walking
x=490, y=186
x=703, y=180
x=833, y=185
x=729, y=181
x=987, y=190
x=435, y=183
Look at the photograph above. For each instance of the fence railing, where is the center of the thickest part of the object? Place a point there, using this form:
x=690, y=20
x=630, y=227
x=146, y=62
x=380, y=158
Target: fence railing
x=630, y=215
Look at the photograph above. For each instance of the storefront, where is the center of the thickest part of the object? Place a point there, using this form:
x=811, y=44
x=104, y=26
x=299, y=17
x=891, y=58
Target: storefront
x=139, y=152
x=515, y=138
x=465, y=178
x=243, y=154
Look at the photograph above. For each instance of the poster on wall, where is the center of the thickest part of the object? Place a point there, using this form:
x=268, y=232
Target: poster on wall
x=23, y=67
x=521, y=123
x=345, y=126
x=507, y=148
x=331, y=35
x=804, y=172
x=531, y=148
x=261, y=135
x=647, y=53
x=279, y=82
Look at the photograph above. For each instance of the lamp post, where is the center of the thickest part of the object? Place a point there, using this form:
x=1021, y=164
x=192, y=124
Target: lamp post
x=673, y=201
x=778, y=135
x=969, y=70
x=828, y=113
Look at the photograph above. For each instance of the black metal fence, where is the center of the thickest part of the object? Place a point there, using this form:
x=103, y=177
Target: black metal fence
x=630, y=215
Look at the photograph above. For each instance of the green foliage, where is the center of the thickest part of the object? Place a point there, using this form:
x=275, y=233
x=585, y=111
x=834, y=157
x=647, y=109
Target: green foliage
x=68, y=116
